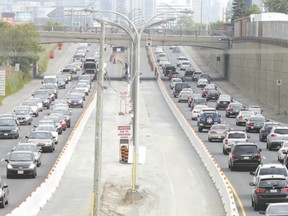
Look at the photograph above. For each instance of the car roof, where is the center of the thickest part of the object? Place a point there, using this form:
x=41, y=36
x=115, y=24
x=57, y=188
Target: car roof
x=236, y=131
x=271, y=177
x=28, y=143
x=276, y=165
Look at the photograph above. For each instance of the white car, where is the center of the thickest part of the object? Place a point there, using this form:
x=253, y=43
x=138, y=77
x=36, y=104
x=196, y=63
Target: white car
x=217, y=132
x=181, y=59
x=33, y=105
x=158, y=50
x=196, y=110
x=276, y=137
x=201, y=83
x=184, y=96
x=184, y=65
x=282, y=152
x=83, y=86
x=173, y=81
x=256, y=109
x=233, y=137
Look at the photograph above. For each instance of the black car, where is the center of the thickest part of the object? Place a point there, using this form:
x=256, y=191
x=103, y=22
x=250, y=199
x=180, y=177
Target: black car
x=43, y=139
x=265, y=130
x=21, y=163
x=269, y=189
x=198, y=101
x=75, y=100
x=9, y=128
x=212, y=95
x=223, y=101
x=233, y=109
x=44, y=96
x=244, y=155
x=24, y=115
x=4, y=193
x=255, y=123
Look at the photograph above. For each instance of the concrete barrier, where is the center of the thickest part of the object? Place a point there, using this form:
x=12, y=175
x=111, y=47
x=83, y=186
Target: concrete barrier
x=217, y=175
x=40, y=196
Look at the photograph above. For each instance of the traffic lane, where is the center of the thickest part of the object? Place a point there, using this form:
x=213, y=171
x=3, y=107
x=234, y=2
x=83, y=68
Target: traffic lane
x=191, y=185
x=21, y=188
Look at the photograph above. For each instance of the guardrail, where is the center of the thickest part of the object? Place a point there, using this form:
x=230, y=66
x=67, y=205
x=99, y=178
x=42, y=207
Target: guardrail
x=217, y=175
x=40, y=196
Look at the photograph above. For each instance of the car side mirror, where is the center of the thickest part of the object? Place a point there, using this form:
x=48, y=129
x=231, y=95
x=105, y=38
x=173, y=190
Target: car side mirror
x=248, y=136
x=26, y=137
x=5, y=186
x=251, y=183
x=252, y=173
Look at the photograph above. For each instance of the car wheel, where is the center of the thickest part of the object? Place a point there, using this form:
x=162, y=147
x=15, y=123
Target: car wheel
x=34, y=175
x=39, y=164
x=3, y=204
x=209, y=139
x=237, y=123
x=227, y=115
x=82, y=106
x=200, y=129
x=256, y=207
x=7, y=202
x=232, y=167
x=17, y=136
x=8, y=176
x=51, y=149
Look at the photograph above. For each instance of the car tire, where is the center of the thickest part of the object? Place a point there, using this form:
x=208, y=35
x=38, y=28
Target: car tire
x=209, y=140
x=237, y=123
x=3, y=204
x=247, y=129
x=17, y=136
x=232, y=168
x=200, y=129
x=256, y=206
x=8, y=176
x=227, y=115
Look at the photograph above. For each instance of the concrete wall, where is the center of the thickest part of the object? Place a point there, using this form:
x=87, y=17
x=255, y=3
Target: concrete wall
x=254, y=67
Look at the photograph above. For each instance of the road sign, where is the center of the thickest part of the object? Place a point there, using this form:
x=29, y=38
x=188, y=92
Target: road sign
x=279, y=82
x=2, y=82
x=124, y=127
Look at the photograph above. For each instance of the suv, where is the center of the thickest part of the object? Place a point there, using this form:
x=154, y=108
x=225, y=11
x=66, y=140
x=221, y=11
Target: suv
x=233, y=137
x=269, y=169
x=244, y=155
x=276, y=137
x=9, y=128
x=265, y=130
x=269, y=189
x=178, y=88
x=207, y=117
x=180, y=60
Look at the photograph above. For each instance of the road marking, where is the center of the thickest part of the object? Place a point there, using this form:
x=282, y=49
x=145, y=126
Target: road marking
x=237, y=198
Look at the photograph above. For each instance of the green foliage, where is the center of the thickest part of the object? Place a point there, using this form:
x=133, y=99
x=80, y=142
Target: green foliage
x=185, y=22
x=216, y=25
x=280, y=6
x=50, y=25
x=240, y=10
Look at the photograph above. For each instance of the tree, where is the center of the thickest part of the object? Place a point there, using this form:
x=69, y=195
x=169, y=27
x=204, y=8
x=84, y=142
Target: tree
x=240, y=10
x=280, y=6
x=216, y=25
x=186, y=22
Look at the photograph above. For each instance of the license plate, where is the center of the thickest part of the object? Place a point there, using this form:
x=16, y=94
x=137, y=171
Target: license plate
x=5, y=134
x=273, y=190
x=246, y=158
x=224, y=102
x=20, y=172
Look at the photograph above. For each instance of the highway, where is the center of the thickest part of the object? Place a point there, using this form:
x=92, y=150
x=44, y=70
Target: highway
x=239, y=179
x=21, y=188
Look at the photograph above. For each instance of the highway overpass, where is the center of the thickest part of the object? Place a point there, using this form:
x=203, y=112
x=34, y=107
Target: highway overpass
x=122, y=39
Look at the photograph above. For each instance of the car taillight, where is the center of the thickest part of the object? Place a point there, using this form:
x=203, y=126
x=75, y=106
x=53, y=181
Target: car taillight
x=240, y=117
x=284, y=190
x=283, y=151
x=230, y=109
x=260, y=190
x=273, y=135
x=234, y=157
x=213, y=132
x=250, y=124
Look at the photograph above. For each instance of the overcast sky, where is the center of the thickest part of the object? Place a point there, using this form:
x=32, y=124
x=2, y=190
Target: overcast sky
x=224, y=2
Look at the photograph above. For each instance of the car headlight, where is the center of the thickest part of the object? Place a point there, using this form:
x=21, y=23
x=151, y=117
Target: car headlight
x=80, y=101
x=69, y=101
x=48, y=143
x=9, y=166
x=15, y=130
x=32, y=166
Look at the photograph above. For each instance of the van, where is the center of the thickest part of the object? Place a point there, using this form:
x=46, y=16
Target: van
x=52, y=79
x=178, y=88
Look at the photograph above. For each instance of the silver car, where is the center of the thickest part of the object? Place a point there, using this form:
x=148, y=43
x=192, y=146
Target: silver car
x=276, y=137
x=217, y=132
x=243, y=117
x=30, y=147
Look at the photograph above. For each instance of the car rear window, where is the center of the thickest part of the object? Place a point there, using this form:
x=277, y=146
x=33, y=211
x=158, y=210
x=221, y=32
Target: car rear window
x=273, y=171
x=267, y=183
x=281, y=131
x=246, y=149
x=237, y=136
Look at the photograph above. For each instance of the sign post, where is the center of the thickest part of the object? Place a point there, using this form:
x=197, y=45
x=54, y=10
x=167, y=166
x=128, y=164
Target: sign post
x=278, y=83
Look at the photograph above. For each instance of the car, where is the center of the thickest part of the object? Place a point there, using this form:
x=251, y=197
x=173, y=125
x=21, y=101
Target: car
x=58, y=118
x=21, y=163
x=244, y=155
x=233, y=109
x=62, y=81
x=66, y=112
x=158, y=50
x=44, y=96
x=190, y=99
x=233, y=136
x=196, y=75
x=78, y=91
x=163, y=62
x=52, y=89
x=276, y=137
x=173, y=74
x=255, y=123
x=223, y=101
x=269, y=189
x=67, y=73
x=269, y=169
x=51, y=122
x=9, y=128
x=84, y=87
x=161, y=55
x=201, y=83
x=180, y=59
x=176, y=49
x=207, y=88
x=33, y=105
x=276, y=209
x=30, y=147
x=212, y=95
x=85, y=77
x=265, y=130
x=282, y=152
x=173, y=81
x=24, y=115
x=43, y=139
x=189, y=72
x=167, y=69
x=207, y=117
x=178, y=88
x=184, y=65
x=217, y=132
x=198, y=101
x=243, y=117
x=256, y=109
x=196, y=110
x=205, y=76
x=184, y=95
x=50, y=128
x=4, y=194
x=39, y=103
x=75, y=100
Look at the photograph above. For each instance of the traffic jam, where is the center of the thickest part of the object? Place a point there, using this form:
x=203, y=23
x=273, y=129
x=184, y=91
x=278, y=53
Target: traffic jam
x=250, y=148
x=38, y=128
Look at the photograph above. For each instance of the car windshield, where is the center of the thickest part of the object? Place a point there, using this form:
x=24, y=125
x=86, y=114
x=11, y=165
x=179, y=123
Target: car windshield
x=236, y=136
x=281, y=131
x=22, y=112
x=7, y=122
x=218, y=127
x=46, y=128
x=75, y=96
x=21, y=157
x=285, y=144
x=273, y=171
x=257, y=119
x=278, y=210
x=269, y=183
x=40, y=135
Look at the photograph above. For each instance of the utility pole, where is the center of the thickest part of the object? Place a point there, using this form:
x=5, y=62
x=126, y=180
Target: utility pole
x=98, y=128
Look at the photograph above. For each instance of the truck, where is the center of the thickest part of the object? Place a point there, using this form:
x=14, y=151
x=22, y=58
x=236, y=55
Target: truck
x=91, y=68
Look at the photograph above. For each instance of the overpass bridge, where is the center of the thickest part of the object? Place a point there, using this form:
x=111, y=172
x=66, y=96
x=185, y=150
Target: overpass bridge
x=122, y=39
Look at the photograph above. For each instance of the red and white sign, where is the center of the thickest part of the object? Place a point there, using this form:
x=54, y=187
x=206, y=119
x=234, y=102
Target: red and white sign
x=124, y=131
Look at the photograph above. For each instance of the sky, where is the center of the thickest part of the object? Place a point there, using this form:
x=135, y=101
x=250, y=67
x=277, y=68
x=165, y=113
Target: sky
x=224, y=2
